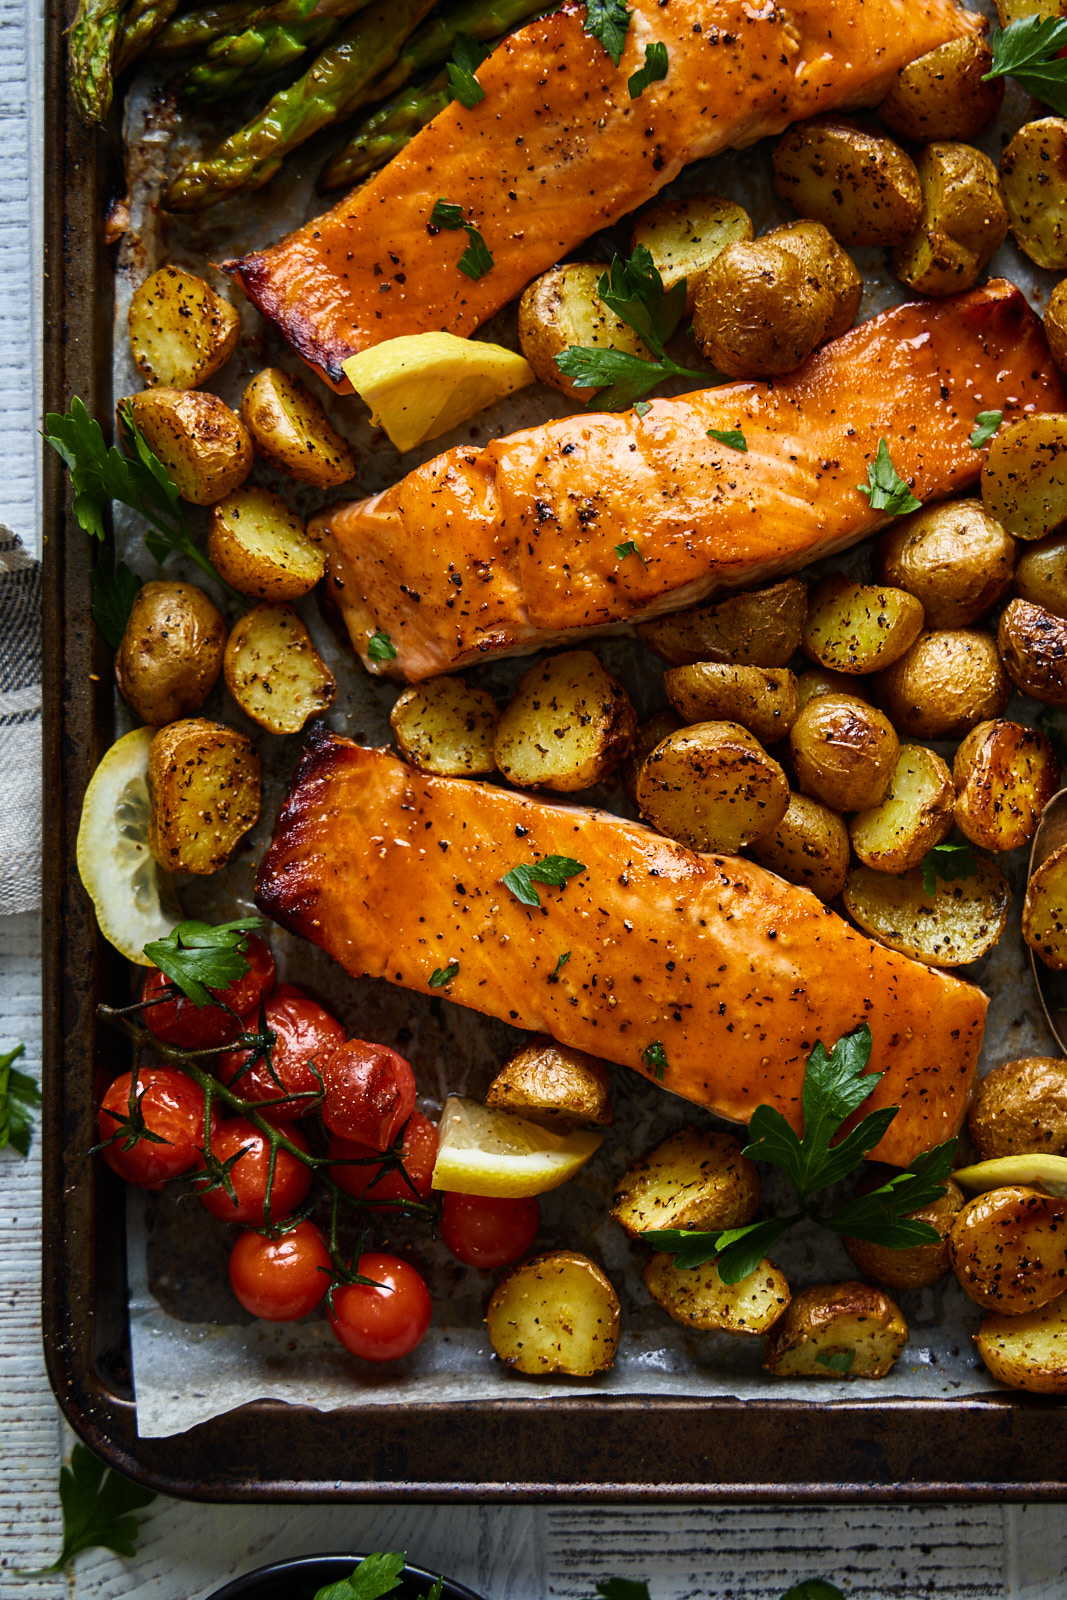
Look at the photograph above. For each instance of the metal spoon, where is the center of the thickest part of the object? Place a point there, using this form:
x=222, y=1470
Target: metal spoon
x=1051, y=835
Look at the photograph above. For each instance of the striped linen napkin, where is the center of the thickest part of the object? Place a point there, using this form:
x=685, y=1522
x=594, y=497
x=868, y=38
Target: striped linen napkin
x=20, y=726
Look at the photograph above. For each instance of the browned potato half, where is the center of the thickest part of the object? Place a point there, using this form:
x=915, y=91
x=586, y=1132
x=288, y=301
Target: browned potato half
x=568, y=726
x=291, y=430
x=1033, y=647
x=171, y=652
x=446, y=726
x=697, y=1297
x=181, y=331
x=948, y=682
x=560, y=309
x=555, y=1313
x=821, y=680
x=1056, y=324
x=919, y=1265
x=761, y=628
x=274, y=671
x=683, y=236
x=1041, y=575
x=942, y=96
x=859, y=185
x=844, y=752
x=712, y=787
x=961, y=921
x=1005, y=774
x=808, y=847
x=204, y=787
x=963, y=222
x=761, y=699
x=695, y=1179
x=1020, y=1108
x=1027, y=1352
x=1009, y=1249
x=1044, y=923
x=203, y=445
x=837, y=1330
x=647, y=737
x=1010, y=11
x=1024, y=479
x=953, y=558
x=550, y=1083
x=857, y=627
x=1033, y=178
x=259, y=546
x=915, y=815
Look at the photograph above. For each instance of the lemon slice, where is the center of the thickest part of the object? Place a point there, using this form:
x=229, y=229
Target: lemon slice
x=1035, y=1172
x=134, y=901
x=425, y=383
x=481, y=1151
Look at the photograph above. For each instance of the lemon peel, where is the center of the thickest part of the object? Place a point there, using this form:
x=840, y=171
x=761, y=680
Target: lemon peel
x=423, y=384
x=496, y=1153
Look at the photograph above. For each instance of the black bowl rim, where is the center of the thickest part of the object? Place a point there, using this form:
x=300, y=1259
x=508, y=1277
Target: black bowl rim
x=244, y=1586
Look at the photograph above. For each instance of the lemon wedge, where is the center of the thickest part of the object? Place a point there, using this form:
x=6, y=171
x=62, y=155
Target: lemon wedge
x=482, y=1151
x=1034, y=1172
x=425, y=383
x=134, y=901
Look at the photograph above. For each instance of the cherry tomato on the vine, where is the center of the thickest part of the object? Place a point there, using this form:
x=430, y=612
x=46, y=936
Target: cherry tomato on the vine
x=179, y=1021
x=172, y=1106
x=485, y=1232
x=281, y=1279
x=384, y=1323
x=292, y=1179
x=418, y=1152
x=370, y=1093
x=305, y=1035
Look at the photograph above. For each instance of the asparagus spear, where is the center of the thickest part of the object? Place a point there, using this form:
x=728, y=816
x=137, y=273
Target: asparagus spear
x=385, y=132
x=240, y=60
x=141, y=21
x=93, y=39
x=435, y=40
x=195, y=30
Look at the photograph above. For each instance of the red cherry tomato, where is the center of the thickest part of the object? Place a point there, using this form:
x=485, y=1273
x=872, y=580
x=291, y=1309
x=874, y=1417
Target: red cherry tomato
x=385, y=1323
x=281, y=1279
x=418, y=1153
x=179, y=1022
x=172, y=1106
x=370, y=1093
x=306, y=1035
x=488, y=1233
x=292, y=1179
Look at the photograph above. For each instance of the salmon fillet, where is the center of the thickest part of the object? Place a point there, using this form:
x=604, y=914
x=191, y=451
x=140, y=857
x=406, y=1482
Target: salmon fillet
x=512, y=547
x=558, y=149
x=734, y=972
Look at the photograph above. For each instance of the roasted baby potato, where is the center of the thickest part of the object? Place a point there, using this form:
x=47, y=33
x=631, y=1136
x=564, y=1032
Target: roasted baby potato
x=948, y=682
x=1056, y=324
x=550, y=1083
x=844, y=752
x=919, y=1265
x=915, y=815
x=1033, y=647
x=274, y=672
x=837, y=1330
x=1005, y=774
x=446, y=726
x=857, y=627
x=203, y=445
x=648, y=736
x=1020, y=1108
x=712, y=787
x=817, y=681
x=555, y=1313
x=761, y=628
x=960, y=922
x=1044, y=923
x=181, y=331
x=859, y=185
x=259, y=546
x=683, y=236
x=695, y=1179
x=204, y=788
x=560, y=309
x=1033, y=178
x=697, y=1297
x=808, y=847
x=1041, y=575
x=1010, y=11
x=963, y=221
x=1024, y=478
x=568, y=726
x=761, y=699
x=291, y=430
x=1027, y=1352
x=171, y=652
x=953, y=558
x=1009, y=1249
x=942, y=96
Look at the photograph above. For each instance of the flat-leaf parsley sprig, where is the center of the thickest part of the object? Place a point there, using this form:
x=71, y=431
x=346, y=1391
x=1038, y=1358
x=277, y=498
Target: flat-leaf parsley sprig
x=885, y=488
x=1029, y=51
x=608, y=21
x=553, y=870
x=19, y=1099
x=197, y=957
x=98, y=1507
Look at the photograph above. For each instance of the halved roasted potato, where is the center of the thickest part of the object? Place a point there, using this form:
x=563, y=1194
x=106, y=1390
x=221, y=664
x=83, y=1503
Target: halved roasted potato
x=963, y=221
x=942, y=95
x=651, y=733
x=171, y=652
x=915, y=815
x=713, y=787
x=695, y=1179
x=1033, y=177
x=550, y=1083
x=446, y=726
x=274, y=672
x=761, y=699
x=837, y=1330
x=948, y=681
x=697, y=1297
x=858, y=627
x=859, y=185
x=556, y=1313
x=683, y=236
x=954, y=558
x=292, y=432
x=961, y=921
x=1030, y=1351
x=561, y=308
x=1041, y=574
x=259, y=546
x=844, y=752
x=1005, y=774
x=1009, y=1249
x=181, y=331
x=568, y=726
x=203, y=445
x=817, y=681
x=1024, y=478
x=1044, y=924
x=204, y=787
x=1010, y=11
x=918, y=1265
x=1033, y=647
x=760, y=628
x=1020, y=1108
x=809, y=847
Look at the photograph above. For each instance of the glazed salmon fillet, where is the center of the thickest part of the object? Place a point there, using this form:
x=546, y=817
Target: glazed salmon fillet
x=508, y=548
x=732, y=971
x=558, y=149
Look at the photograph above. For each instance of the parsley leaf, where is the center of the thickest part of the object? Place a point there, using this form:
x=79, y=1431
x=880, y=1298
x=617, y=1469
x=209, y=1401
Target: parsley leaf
x=1028, y=51
x=553, y=976
x=447, y=215
x=608, y=21
x=96, y=1509
x=813, y=1589
x=950, y=863
x=623, y=1589
x=837, y=1360
x=380, y=647
x=476, y=260
x=554, y=870
x=443, y=975
x=467, y=57
x=198, y=957
x=378, y=1574
x=739, y=1250
x=733, y=437
x=886, y=490
x=986, y=425
x=19, y=1097
x=654, y=69
x=643, y=407
x=654, y=1055
x=629, y=548
x=884, y=1215
x=115, y=587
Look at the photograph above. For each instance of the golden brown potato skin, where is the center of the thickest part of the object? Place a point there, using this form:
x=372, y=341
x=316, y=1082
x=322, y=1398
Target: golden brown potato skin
x=1024, y=475
x=204, y=786
x=954, y=558
x=921, y=1264
x=1044, y=920
x=695, y=1178
x=915, y=815
x=832, y=1319
x=683, y=236
x=171, y=652
x=942, y=96
x=844, y=752
x=712, y=787
x=1056, y=324
x=825, y=680
x=1033, y=172
x=859, y=185
x=181, y=331
x=567, y=727
x=1041, y=574
x=950, y=680
x=259, y=546
x=204, y=446
x=759, y=628
x=292, y=431
x=446, y=726
x=560, y=309
x=1009, y=1249
x=1033, y=647
x=809, y=847
x=963, y=223
x=1005, y=774
x=1027, y=1352
x=555, y=1313
x=1020, y=1108
x=761, y=699
x=959, y=923
x=660, y=726
x=273, y=670
x=553, y=1084
x=697, y=1297
x=859, y=627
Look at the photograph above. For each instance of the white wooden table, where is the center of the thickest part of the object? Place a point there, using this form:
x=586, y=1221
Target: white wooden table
x=508, y=1553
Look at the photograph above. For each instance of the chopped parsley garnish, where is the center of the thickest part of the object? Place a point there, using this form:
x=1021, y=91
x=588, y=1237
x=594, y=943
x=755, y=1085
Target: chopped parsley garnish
x=732, y=437
x=467, y=57
x=608, y=21
x=553, y=870
x=986, y=424
x=380, y=647
x=655, y=1058
x=443, y=975
x=476, y=260
x=886, y=489
x=950, y=863
x=629, y=548
x=654, y=69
